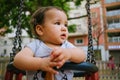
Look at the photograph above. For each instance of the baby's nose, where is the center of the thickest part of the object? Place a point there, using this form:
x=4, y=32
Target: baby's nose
x=63, y=28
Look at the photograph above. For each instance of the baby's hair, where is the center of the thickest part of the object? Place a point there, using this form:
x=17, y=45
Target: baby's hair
x=39, y=14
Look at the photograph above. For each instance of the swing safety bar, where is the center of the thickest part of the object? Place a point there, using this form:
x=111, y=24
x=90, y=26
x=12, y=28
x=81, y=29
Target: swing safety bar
x=80, y=69
x=83, y=66
x=11, y=67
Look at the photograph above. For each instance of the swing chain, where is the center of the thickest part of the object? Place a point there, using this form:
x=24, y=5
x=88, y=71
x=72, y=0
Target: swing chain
x=90, y=55
x=17, y=39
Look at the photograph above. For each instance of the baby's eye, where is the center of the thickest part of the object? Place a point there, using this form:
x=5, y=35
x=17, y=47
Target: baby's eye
x=66, y=25
x=58, y=23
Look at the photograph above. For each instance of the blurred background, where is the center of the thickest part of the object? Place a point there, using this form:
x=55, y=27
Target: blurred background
x=105, y=19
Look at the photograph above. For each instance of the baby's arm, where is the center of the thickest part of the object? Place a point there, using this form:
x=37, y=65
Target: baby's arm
x=61, y=55
x=25, y=60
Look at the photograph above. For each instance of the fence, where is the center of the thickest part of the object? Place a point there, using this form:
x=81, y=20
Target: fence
x=3, y=63
x=104, y=72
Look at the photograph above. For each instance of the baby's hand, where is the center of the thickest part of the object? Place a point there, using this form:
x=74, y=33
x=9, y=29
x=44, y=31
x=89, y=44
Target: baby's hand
x=47, y=65
x=60, y=55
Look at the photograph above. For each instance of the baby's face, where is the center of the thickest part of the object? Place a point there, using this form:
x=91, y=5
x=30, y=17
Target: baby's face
x=55, y=27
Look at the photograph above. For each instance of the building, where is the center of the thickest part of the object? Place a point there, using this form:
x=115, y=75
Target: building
x=80, y=37
x=105, y=16
x=111, y=18
x=7, y=43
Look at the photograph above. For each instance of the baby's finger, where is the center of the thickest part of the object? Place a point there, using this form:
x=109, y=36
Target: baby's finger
x=53, y=55
x=53, y=64
x=59, y=58
x=56, y=52
x=53, y=71
x=60, y=64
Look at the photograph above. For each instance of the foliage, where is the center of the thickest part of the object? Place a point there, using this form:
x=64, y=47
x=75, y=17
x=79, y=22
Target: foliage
x=9, y=12
x=72, y=28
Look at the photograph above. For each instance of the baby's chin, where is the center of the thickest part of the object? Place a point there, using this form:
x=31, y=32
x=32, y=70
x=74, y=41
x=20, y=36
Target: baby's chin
x=62, y=42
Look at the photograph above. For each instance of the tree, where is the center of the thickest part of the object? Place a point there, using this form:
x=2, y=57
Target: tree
x=72, y=28
x=9, y=12
x=98, y=30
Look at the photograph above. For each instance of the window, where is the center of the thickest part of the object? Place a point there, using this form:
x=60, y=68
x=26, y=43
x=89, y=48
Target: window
x=5, y=52
x=5, y=42
x=78, y=41
x=117, y=20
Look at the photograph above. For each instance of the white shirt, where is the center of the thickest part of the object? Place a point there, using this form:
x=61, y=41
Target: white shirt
x=42, y=50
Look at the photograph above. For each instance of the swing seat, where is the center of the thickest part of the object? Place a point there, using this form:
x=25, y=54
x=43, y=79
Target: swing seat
x=11, y=67
x=80, y=69
x=11, y=71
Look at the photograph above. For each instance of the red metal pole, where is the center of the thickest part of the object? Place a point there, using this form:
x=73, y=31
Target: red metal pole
x=94, y=76
x=9, y=75
x=19, y=76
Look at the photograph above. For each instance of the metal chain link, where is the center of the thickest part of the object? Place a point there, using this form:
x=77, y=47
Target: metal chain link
x=35, y=77
x=20, y=25
x=65, y=76
x=17, y=39
x=90, y=55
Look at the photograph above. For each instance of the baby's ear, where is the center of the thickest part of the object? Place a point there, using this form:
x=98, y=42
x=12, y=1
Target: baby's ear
x=39, y=30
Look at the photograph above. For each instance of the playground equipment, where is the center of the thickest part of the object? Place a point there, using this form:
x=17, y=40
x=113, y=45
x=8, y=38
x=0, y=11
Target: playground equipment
x=86, y=69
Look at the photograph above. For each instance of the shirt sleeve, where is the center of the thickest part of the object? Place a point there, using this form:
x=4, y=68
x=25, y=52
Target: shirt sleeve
x=69, y=45
x=33, y=45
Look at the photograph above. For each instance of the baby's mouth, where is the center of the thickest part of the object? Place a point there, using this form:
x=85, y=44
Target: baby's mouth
x=63, y=36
